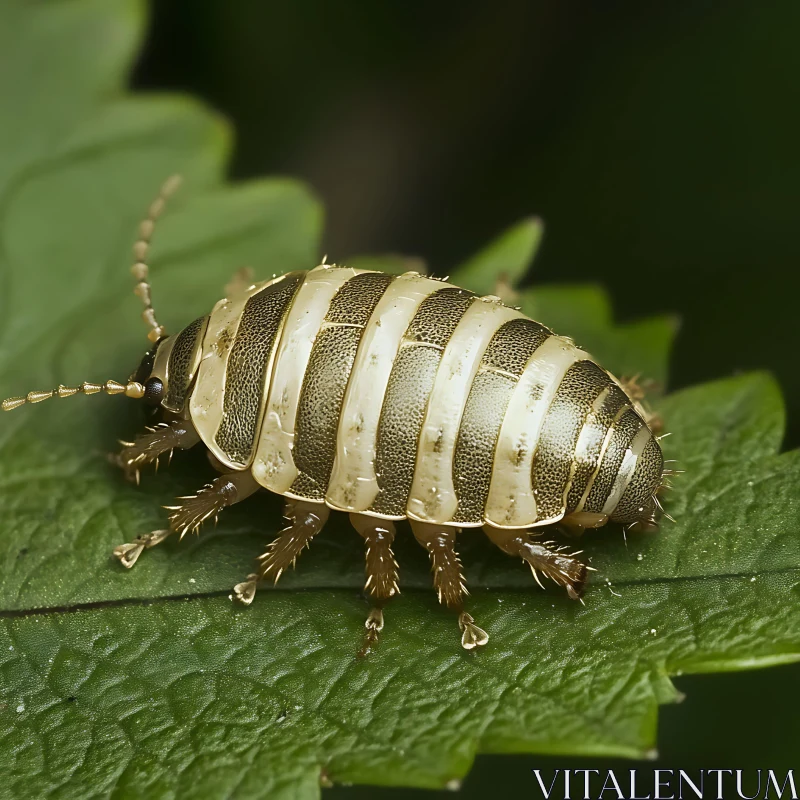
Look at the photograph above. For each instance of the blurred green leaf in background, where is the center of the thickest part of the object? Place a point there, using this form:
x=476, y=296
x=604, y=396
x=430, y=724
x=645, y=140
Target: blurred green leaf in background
x=151, y=683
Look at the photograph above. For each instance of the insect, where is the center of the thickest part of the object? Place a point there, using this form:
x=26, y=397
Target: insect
x=389, y=398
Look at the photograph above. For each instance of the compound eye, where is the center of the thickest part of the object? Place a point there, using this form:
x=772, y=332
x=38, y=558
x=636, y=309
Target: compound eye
x=153, y=391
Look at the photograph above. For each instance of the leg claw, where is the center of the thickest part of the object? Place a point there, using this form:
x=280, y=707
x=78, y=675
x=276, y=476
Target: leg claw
x=129, y=553
x=472, y=636
x=373, y=625
x=245, y=591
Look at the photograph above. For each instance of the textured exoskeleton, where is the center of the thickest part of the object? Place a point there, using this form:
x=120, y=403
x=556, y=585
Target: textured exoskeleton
x=390, y=398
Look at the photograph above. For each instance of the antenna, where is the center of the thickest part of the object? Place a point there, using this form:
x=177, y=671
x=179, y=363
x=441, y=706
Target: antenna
x=140, y=270
x=130, y=389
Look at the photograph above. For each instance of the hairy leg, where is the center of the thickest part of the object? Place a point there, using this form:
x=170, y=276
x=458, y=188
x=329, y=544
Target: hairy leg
x=224, y=491
x=381, y=569
x=148, y=447
x=448, y=579
x=189, y=515
x=545, y=557
x=306, y=520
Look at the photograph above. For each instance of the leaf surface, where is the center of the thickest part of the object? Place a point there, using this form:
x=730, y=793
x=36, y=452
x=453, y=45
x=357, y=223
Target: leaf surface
x=503, y=262
x=118, y=683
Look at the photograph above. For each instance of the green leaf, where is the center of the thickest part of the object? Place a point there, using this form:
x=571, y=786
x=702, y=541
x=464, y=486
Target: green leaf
x=171, y=695
x=633, y=349
x=504, y=262
x=151, y=682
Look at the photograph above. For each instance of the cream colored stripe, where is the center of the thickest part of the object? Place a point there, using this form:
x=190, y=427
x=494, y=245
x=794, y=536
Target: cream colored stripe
x=626, y=470
x=208, y=395
x=273, y=466
x=511, y=502
x=606, y=442
x=354, y=485
x=433, y=495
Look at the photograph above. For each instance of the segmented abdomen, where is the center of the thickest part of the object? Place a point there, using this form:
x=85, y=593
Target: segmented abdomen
x=407, y=396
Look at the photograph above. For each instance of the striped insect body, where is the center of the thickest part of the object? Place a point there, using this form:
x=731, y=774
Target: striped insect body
x=389, y=398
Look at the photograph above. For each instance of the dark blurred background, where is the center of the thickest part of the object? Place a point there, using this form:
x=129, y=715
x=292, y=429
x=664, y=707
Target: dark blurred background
x=659, y=141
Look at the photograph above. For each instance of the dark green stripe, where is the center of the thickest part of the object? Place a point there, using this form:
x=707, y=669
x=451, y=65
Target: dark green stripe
x=407, y=393
x=438, y=315
x=624, y=431
x=325, y=381
x=643, y=485
x=477, y=438
x=183, y=362
x=555, y=449
x=355, y=301
x=247, y=366
x=503, y=361
x=320, y=405
x=586, y=463
x=403, y=413
x=512, y=346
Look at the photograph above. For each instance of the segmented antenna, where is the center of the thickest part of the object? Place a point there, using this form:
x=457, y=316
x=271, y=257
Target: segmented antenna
x=130, y=389
x=140, y=270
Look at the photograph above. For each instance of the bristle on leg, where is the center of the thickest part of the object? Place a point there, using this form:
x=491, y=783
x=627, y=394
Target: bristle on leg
x=225, y=491
x=448, y=577
x=553, y=561
x=381, y=569
x=148, y=447
x=189, y=515
x=194, y=510
x=306, y=520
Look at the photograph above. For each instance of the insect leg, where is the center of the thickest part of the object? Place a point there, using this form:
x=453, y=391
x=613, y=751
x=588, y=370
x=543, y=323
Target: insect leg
x=224, y=491
x=448, y=579
x=306, y=520
x=546, y=557
x=381, y=568
x=148, y=447
x=192, y=512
